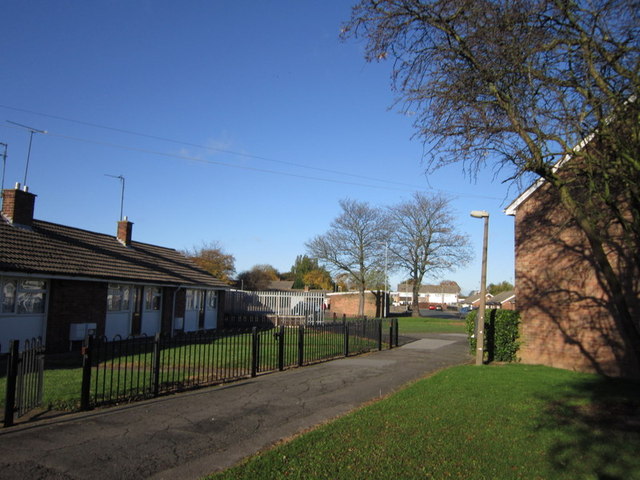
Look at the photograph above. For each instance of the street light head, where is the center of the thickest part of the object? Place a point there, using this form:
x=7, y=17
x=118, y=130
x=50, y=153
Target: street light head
x=479, y=214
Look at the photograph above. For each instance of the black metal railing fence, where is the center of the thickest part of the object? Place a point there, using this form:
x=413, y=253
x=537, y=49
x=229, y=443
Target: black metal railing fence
x=124, y=370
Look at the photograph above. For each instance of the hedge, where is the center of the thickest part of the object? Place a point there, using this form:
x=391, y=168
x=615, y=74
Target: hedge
x=501, y=334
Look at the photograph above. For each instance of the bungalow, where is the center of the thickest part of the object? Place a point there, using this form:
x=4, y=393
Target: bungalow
x=503, y=301
x=473, y=301
x=60, y=283
x=566, y=313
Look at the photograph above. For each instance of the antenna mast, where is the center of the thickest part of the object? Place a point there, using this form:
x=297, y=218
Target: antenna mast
x=32, y=130
x=4, y=162
x=122, y=193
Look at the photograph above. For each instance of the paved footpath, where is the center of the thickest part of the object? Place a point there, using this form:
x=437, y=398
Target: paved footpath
x=192, y=434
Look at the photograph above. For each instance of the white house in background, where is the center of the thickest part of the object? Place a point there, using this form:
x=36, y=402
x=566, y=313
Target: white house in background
x=446, y=293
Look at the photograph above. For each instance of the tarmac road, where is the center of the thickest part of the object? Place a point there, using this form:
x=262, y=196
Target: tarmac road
x=190, y=435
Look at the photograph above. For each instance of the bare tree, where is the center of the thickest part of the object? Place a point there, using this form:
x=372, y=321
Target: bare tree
x=424, y=240
x=526, y=85
x=353, y=244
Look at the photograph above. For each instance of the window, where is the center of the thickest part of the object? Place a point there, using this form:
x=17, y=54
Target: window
x=194, y=299
x=118, y=297
x=152, y=298
x=23, y=296
x=212, y=299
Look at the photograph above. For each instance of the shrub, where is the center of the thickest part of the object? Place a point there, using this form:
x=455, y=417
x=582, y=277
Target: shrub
x=501, y=334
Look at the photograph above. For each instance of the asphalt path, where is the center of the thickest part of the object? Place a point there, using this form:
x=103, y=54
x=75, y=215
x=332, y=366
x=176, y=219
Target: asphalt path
x=192, y=434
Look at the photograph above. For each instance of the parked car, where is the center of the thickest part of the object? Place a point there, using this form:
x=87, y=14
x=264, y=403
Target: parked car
x=432, y=307
x=463, y=312
x=439, y=308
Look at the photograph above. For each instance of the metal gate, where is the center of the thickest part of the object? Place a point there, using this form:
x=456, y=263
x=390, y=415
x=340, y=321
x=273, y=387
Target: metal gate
x=25, y=378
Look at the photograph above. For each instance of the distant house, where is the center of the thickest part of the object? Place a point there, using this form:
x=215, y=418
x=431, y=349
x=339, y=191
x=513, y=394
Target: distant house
x=473, y=301
x=281, y=285
x=444, y=294
x=503, y=301
x=60, y=283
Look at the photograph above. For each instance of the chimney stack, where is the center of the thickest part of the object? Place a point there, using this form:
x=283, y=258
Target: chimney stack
x=125, y=228
x=18, y=205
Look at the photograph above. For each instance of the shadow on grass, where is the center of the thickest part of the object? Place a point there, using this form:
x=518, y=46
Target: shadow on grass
x=595, y=429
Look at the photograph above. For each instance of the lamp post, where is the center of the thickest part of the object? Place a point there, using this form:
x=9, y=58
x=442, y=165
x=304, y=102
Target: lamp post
x=384, y=298
x=483, y=287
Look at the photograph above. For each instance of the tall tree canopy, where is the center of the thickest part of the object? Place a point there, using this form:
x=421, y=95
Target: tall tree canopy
x=212, y=258
x=424, y=240
x=259, y=277
x=524, y=85
x=353, y=244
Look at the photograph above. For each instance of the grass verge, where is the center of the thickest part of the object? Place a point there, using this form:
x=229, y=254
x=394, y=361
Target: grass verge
x=492, y=422
x=430, y=325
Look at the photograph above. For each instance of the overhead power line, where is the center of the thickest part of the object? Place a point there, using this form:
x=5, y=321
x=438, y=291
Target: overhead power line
x=387, y=184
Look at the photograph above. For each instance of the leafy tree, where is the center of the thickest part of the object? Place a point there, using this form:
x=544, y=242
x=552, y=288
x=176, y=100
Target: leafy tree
x=258, y=278
x=353, y=244
x=524, y=85
x=496, y=288
x=212, y=258
x=424, y=240
x=305, y=266
x=318, y=278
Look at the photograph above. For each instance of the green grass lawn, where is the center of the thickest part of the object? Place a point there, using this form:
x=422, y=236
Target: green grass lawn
x=430, y=325
x=491, y=422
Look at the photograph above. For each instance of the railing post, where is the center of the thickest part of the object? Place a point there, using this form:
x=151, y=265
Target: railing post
x=379, y=334
x=254, y=351
x=12, y=375
x=281, y=347
x=345, y=325
x=300, y=345
x=156, y=365
x=391, y=334
x=395, y=320
x=87, y=360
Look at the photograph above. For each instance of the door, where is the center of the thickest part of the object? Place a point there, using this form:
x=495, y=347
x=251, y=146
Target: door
x=136, y=314
x=152, y=311
x=211, y=310
x=193, y=316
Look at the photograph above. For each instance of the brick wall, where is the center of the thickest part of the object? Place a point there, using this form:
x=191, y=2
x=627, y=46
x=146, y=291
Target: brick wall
x=566, y=314
x=349, y=302
x=73, y=301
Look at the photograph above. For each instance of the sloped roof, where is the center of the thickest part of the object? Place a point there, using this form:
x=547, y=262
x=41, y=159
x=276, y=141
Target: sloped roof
x=476, y=296
x=503, y=297
x=281, y=285
x=57, y=250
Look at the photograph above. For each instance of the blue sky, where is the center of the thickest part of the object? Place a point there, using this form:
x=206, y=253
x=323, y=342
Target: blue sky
x=238, y=122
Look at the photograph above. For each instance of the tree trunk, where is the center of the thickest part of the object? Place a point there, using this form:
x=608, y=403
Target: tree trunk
x=415, y=301
x=361, y=302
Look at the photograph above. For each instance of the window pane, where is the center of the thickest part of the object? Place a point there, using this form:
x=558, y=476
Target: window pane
x=152, y=298
x=126, y=295
x=212, y=299
x=31, y=302
x=32, y=284
x=8, y=296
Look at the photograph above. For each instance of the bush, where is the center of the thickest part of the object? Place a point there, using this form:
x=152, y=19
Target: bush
x=501, y=334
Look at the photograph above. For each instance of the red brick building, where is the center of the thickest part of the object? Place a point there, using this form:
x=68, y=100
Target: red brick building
x=567, y=320
x=59, y=282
